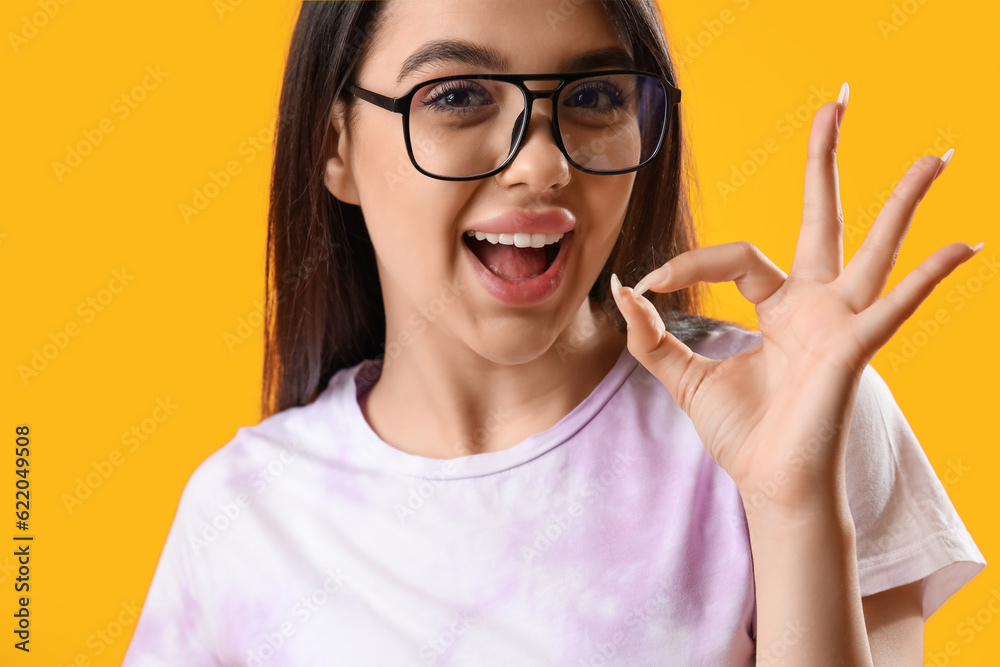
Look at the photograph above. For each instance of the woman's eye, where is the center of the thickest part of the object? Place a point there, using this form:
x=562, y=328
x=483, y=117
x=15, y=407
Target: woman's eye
x=457, y=98
x=598, y=97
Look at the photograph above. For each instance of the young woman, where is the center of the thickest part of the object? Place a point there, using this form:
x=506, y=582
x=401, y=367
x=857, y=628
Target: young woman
x=480, y=450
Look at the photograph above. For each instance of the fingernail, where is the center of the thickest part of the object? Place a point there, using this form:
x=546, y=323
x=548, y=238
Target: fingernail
x=639, y=288
x=976, y=248
x=616, y=285
x=946, y=158
x=845, y=94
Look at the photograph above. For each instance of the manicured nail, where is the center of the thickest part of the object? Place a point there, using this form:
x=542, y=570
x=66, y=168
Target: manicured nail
x=639, y=288
x=976, y=248
x=946, y=158
x=616, y=285
x=845, y=93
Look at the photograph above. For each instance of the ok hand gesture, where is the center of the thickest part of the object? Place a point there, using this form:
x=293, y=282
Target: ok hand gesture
x=780, y=411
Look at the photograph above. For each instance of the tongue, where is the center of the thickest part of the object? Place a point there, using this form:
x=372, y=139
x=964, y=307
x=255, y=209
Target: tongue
x=511, y=262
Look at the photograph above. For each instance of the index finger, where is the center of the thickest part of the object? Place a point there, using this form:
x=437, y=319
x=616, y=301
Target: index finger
x=756, y=276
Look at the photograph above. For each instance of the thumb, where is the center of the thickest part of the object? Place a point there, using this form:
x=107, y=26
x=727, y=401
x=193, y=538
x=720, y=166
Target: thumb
x=672, y=362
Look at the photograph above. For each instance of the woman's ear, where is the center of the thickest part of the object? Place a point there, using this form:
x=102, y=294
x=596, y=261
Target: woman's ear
x=338, y=177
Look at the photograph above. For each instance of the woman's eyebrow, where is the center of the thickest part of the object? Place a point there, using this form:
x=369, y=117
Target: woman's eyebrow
x=487, y=59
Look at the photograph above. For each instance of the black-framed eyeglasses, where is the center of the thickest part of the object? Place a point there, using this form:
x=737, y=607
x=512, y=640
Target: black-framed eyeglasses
x=470, y=126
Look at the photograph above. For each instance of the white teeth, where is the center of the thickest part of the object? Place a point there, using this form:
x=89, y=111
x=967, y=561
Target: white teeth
x=519, y=240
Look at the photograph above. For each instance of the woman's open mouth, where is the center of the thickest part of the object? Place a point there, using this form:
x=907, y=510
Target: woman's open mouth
x=514, y=256
x=518, y=269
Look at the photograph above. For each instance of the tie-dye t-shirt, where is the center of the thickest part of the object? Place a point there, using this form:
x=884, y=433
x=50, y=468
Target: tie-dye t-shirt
x=611, y=538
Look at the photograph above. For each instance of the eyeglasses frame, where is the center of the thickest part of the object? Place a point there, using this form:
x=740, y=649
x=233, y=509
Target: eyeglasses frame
x=401, y=105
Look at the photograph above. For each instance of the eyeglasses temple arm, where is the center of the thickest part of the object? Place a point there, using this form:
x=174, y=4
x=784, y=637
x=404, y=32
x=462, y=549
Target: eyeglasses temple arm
x=393, y=104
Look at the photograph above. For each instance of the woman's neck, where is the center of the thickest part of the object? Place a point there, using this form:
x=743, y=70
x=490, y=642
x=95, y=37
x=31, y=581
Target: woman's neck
x=439, y=401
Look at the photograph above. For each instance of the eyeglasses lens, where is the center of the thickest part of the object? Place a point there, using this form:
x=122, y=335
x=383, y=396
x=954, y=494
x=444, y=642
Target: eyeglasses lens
x=466, y=127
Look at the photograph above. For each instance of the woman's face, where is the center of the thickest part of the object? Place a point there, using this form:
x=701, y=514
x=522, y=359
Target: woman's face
x=435, y=279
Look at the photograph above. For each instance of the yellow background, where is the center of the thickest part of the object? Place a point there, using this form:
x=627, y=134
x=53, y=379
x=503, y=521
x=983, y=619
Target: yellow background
x=161, y=336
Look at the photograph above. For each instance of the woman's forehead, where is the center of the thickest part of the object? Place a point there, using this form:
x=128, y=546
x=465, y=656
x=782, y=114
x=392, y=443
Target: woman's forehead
x=419, y=36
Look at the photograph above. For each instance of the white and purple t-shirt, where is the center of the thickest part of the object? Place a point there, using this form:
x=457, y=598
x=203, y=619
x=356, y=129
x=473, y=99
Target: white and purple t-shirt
x=611, y=538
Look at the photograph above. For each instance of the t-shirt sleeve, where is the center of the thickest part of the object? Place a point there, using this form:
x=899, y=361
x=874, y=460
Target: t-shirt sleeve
x=906, y=527
x=172, y=628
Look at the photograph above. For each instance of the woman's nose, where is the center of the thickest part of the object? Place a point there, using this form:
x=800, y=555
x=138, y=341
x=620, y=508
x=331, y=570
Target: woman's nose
x=539, y=161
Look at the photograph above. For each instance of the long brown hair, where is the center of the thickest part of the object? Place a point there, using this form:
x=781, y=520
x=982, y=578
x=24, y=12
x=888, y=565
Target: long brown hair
x=324, y=309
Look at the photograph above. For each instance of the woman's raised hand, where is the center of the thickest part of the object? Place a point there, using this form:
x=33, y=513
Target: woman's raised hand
x=776, y=417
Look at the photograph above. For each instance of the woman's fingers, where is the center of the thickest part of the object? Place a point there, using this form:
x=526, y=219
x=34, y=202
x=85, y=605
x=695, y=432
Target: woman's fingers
x=679, y=369
x=865, y=276
x=877, y=324
x=819, y=251
x=670, y=361
x=755, y=275
x=645, y=326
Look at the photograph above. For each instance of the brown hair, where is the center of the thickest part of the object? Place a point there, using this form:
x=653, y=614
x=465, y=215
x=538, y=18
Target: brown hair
x=326, y=312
